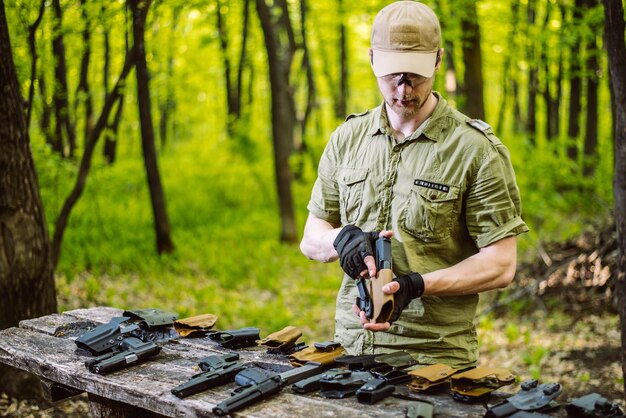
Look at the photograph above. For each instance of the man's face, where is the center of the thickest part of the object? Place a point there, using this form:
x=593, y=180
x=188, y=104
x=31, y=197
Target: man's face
x=405, y=93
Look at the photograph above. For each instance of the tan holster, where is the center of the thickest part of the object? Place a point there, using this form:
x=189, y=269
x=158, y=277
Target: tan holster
x=315, y=354
x=429, y=377
x=383, y=303
x=282, y=338
x=195, y=324
x=481, y=380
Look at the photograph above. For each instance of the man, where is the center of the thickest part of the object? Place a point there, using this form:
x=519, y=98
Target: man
x=439, y=184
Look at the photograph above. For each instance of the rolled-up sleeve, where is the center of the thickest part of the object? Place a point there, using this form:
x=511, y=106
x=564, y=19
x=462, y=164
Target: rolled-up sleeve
x=324, y=203
x=493, y=206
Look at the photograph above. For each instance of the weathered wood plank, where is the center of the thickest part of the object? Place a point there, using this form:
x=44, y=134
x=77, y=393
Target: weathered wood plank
x=100, y=314
x=147, y=386
x=198, y=347
x=48, y=324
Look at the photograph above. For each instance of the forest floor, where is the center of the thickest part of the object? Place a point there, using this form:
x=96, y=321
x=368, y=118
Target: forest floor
x=556, y=323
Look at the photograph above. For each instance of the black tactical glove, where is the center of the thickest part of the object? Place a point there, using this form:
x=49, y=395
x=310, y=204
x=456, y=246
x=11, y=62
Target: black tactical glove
x=411, y=287
x=353, y=245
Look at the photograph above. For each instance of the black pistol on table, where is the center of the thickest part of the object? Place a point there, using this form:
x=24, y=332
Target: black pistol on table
x=131, y=350
x=216, y=370
x=247, y=395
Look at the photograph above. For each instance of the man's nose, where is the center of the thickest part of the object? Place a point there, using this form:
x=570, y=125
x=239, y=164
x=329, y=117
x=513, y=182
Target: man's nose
x=404, y=88
x=404, y=80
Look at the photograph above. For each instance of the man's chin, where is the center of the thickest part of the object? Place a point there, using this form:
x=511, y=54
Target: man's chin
x=405, y=111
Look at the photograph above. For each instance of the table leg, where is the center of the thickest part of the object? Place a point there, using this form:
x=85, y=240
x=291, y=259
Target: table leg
x=107, y=408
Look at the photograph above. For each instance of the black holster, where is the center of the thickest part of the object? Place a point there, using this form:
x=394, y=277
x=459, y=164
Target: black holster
x=237, y=338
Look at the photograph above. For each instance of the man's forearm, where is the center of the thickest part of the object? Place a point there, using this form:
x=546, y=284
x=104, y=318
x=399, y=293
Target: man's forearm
x=317, y=240
x=493, y=267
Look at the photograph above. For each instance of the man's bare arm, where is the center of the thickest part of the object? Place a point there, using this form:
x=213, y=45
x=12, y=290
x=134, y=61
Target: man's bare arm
x=493, y=267
x=318, y=238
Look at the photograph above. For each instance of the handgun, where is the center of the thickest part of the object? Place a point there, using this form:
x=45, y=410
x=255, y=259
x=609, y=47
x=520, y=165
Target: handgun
x=131, y=350
x=246, y=395
x=216, y=370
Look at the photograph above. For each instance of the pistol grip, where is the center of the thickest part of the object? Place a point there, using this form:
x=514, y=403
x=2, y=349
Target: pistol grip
x=383, y=303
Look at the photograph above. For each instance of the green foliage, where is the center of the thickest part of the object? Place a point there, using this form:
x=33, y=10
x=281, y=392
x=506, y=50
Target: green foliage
x=228, y=259
x=512, y=332
x=558, y=201
x=220, y=189
x=533, y=356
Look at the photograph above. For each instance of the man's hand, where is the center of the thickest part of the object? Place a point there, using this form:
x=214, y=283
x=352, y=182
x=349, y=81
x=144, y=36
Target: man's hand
x=405, y=289
x=355, y=250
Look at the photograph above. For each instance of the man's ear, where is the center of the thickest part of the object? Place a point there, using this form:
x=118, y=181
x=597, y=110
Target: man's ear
x=439, y=58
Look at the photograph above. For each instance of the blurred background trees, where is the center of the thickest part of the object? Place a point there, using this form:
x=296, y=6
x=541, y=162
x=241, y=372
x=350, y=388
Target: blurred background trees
x=277, y=77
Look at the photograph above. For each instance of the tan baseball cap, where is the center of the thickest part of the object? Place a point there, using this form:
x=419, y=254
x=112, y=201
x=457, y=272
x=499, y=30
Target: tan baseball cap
x=406, y=37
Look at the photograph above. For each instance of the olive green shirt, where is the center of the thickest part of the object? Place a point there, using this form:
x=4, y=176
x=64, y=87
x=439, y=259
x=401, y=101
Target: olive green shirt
x=446, y=191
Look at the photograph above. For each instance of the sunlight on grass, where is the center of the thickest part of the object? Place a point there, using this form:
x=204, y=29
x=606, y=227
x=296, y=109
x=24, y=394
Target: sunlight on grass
x=225, y=226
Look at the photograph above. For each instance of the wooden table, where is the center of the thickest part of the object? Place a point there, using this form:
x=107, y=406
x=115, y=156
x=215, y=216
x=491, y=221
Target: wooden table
x=144, y=389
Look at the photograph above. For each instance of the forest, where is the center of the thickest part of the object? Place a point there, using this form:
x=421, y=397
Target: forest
x=163, y=154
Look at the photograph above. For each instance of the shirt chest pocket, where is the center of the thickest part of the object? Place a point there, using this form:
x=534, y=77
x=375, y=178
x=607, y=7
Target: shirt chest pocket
x=351, y=183
x=430, y=214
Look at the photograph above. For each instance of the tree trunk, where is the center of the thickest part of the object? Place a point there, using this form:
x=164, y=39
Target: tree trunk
x=230, y=92
x=161, y=222
x=590, y=147
x=550, y=98
x=26, y=273
x=32, y=46
x=111, y=131
x=65, y=136
x=110, y=142
x=112, y=127
x=507, y=74
x=311, y=95
x=533, y=81
x=168, y=105
x=242, y=56
x=83, y=92
x=233, y=87
x=575, y=106
x=555, y=107
x=277, y=30
x=341, y=97
x=45, y=119
x=472, y=59
x=616, y=49
x=300, y=142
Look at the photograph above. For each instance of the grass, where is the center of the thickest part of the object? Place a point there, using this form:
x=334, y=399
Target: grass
x=228, y=260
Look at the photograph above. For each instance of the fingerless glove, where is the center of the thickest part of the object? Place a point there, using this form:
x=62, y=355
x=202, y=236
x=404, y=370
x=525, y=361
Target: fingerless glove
x=411, y=287
x=353, y=245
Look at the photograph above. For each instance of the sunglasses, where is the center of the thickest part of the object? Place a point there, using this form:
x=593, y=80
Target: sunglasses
x=400, y=78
